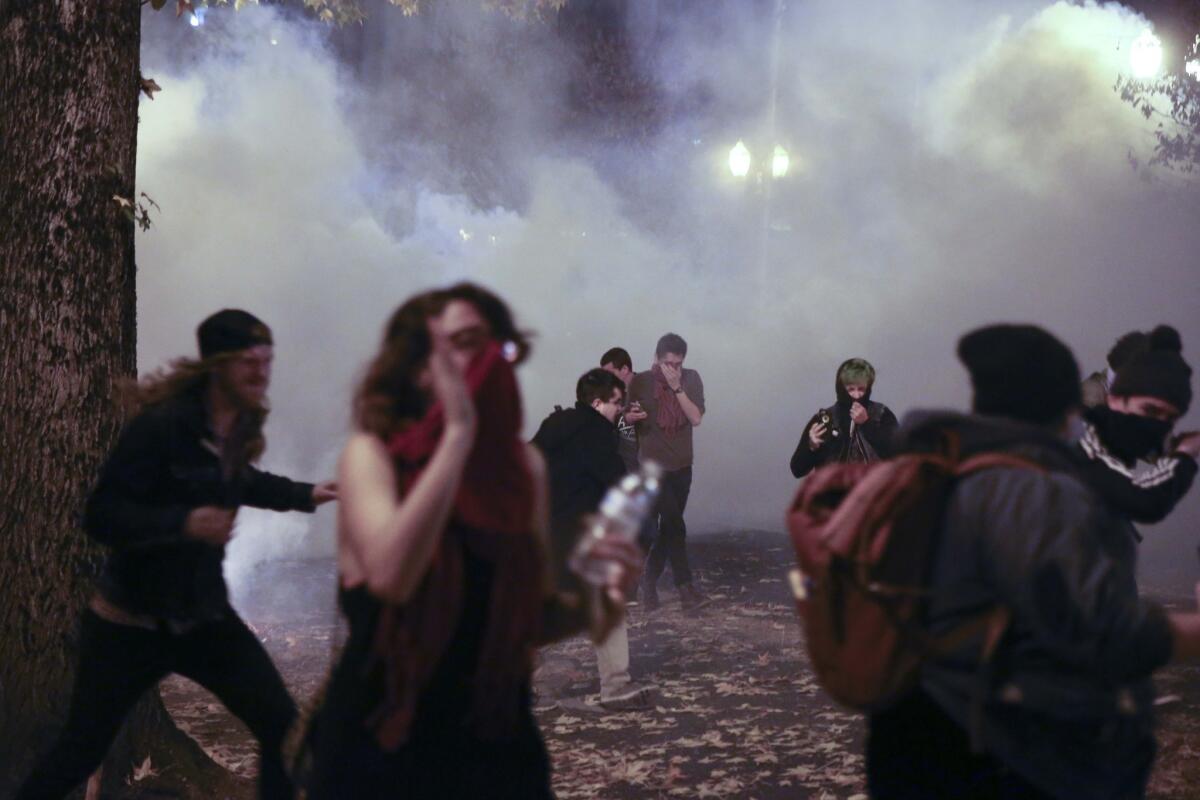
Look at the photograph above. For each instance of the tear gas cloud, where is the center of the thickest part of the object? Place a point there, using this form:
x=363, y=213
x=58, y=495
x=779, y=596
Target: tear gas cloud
x=952, y=164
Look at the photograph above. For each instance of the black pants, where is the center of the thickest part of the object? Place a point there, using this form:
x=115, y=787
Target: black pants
x=119, y=663
x=916, y=752
x=671, y=541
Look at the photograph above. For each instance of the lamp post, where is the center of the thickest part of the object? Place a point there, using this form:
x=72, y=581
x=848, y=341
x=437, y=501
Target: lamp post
x=739, y=160
x=780, y=162
x=1146, y=55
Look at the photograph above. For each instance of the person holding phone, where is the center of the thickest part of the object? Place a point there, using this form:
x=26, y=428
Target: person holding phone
x=618, y=361
x=855, y=428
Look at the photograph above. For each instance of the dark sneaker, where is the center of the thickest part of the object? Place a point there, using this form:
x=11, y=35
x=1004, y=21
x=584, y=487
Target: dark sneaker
x=630, y=697
x=691, y=599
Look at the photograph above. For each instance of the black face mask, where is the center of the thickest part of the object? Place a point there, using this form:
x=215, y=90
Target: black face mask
x=844, y=400
x=1132, y=436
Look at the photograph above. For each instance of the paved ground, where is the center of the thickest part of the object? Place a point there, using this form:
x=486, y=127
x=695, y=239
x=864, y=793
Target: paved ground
x=738, y=714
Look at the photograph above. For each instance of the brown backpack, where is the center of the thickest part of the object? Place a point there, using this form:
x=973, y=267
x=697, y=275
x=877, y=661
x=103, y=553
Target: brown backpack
x=864, y=536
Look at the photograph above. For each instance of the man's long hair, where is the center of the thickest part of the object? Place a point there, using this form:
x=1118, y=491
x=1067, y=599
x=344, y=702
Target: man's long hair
x=190, y=376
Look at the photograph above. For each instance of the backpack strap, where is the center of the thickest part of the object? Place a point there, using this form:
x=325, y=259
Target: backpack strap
x=984, y=461
x=997, y=625
x=992, y=624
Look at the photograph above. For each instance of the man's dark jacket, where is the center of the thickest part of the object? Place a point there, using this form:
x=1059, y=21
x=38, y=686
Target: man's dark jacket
x=165, y=465
x=878, y=431
x=582, y=460
x=1069, y=703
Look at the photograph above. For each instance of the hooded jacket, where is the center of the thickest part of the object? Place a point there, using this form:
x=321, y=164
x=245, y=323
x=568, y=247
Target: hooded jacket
x=582, y=461
x=878, y=433
x=1069, y=701
x=164, y=466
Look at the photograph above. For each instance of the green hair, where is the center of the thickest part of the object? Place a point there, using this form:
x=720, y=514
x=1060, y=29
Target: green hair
x=856, y=370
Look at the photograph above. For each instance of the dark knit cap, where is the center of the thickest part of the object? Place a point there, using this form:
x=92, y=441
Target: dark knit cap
x=1159, y=371
x=1127, y=347
x=229, y=330
x=1020, y=371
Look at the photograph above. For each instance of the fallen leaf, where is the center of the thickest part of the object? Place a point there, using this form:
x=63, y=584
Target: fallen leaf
x=150, y=86
x=145, y=770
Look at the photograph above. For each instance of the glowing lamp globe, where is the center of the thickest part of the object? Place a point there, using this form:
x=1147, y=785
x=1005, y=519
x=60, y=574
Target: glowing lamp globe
x=1146, y=55
x=739, y=160
x=780, y=162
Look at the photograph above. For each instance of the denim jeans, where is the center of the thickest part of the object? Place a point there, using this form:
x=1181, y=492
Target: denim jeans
x=671, y=542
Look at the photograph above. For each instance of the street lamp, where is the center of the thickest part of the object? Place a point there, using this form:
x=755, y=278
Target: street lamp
x=780, y=162
x=739, y=160
x=1146, y=55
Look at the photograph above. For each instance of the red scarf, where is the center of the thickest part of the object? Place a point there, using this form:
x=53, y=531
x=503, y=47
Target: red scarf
x=670, y=416
x=492, y=519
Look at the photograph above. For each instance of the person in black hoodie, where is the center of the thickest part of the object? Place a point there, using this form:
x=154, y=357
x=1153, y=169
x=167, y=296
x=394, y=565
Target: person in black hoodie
x=855, y=428
x=582, y=459
x=165, y=505
x=1147, y=396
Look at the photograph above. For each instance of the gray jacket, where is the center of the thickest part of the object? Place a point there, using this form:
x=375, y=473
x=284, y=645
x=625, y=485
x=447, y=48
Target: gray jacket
x=1068, y=698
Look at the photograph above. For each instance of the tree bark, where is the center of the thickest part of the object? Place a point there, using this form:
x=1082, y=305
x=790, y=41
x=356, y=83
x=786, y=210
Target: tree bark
x=68, y=137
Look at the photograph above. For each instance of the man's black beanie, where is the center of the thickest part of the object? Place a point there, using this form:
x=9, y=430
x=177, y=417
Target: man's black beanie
x=1126, y=348
x=1159, y=371
x=1020, y=371
x=229, y=330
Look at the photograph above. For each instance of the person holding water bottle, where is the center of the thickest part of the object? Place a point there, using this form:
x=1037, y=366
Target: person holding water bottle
x=580, y=445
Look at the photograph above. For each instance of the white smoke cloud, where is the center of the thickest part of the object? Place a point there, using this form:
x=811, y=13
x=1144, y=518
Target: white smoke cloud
x=955, y=164
x=1037, y=106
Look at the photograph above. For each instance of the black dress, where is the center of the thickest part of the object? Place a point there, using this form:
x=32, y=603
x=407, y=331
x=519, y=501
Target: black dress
x=442, y=758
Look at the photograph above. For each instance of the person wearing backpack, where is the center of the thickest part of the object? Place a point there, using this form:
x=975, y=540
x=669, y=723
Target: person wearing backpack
x=854, y=429
x=1056, y=702
x=583, y=461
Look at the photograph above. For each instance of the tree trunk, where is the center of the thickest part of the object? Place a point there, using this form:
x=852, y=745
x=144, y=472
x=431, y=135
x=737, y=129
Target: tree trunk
x=68, y=138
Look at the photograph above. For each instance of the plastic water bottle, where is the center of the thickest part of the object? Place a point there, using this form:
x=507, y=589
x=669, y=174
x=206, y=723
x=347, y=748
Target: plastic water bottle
x=621, y=513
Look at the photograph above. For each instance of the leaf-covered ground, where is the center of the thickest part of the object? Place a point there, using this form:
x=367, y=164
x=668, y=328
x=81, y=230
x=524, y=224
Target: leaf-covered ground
x=737, y=714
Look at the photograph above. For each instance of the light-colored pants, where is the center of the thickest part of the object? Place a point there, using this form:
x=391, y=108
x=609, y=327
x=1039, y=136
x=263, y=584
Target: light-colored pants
x=612, y=658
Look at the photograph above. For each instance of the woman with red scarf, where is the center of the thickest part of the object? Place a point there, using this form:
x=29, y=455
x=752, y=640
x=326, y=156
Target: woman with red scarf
x=441, y=557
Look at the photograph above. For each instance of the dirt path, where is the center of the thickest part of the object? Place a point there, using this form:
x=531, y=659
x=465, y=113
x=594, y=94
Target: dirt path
x=738, y=714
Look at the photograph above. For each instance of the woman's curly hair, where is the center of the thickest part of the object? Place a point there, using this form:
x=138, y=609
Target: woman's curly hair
x=388, y=398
